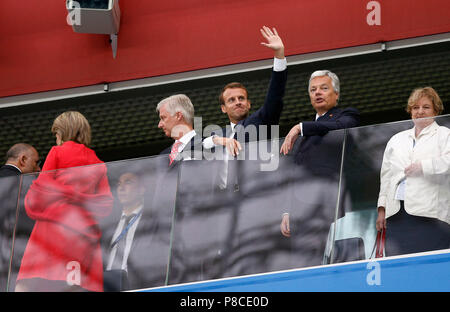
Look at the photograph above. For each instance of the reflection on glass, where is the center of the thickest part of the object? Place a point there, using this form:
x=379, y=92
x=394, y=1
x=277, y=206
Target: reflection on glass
x=22, y=229
x=221, y=232
x=9, y=189
x=315, y=195
x=136, y=237
x=204, y=221
x=63, y=252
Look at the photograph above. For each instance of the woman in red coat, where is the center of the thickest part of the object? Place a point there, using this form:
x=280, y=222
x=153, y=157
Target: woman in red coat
x=63, y=252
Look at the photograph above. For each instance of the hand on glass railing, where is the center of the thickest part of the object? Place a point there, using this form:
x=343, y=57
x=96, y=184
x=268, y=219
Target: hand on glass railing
x=290, y=139
x=284, y=226
x=381, y=220
x=414, y=170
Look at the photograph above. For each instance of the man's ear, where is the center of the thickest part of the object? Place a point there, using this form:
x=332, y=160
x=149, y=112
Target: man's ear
x=179, y=116
x=224, y=109
x=22, y=160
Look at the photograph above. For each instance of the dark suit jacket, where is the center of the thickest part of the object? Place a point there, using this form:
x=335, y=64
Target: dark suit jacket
x=6, y=171
x=9, y=191
x=9, y=188
x=335, y=118
x=321, y=153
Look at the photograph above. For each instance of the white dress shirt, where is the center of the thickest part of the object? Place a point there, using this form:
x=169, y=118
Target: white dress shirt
x=128, y=239
x=185, y=139
x=301, y=124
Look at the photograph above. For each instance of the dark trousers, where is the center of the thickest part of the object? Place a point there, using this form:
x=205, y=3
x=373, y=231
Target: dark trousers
x=406, y=233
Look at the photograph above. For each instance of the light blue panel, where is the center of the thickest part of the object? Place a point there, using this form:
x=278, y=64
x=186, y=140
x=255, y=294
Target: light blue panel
x=430, y=272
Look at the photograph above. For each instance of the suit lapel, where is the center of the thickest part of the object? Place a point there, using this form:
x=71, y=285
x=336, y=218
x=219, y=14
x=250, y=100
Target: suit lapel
x=307, y=141
x=328, y=115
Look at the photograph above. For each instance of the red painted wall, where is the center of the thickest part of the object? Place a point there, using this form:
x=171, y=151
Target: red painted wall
x=40, y=52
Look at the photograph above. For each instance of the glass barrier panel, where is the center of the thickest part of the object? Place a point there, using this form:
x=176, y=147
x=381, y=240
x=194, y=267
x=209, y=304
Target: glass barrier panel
x=202, y=222
x=9, y=194
x=62, y=252
x=314, y=196
x=190, y=225
x=233, y=228
x=72, y=233
x=145, y=192
x=389, y=165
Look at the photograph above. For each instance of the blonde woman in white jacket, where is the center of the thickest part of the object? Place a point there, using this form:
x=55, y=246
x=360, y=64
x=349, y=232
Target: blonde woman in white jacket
x=414, y=199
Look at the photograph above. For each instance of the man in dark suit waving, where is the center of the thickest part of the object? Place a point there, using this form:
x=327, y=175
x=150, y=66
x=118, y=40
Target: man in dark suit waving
x=245, y=127
x=234, y=100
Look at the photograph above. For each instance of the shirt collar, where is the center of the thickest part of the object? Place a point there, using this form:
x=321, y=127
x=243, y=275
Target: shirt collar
x=318, y=116
x=425, y=131
x=135, y=212
x=187, y=137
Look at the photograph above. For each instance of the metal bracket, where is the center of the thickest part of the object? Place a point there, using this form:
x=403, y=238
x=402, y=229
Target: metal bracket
x=113, y=40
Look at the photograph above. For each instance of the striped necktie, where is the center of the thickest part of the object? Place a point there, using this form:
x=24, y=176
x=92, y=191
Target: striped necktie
x=174, y=151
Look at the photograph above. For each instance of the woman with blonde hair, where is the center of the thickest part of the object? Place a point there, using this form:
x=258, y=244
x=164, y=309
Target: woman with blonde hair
x=414, y=199
x=66, y=200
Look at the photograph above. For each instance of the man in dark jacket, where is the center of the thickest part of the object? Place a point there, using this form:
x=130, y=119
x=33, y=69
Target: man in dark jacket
x=21, y=158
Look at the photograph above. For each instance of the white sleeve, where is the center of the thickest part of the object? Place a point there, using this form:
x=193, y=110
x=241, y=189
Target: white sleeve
x=440, y=164
x=385, y=176
x=208, y=143
x=279, y=64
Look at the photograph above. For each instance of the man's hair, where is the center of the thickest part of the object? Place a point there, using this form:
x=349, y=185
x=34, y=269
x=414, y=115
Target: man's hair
x=178, y=103
x=231, y=85
x=428, y=92
x=72, y=126
x=334, y=79
x=16, y=150
x=135, y=173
